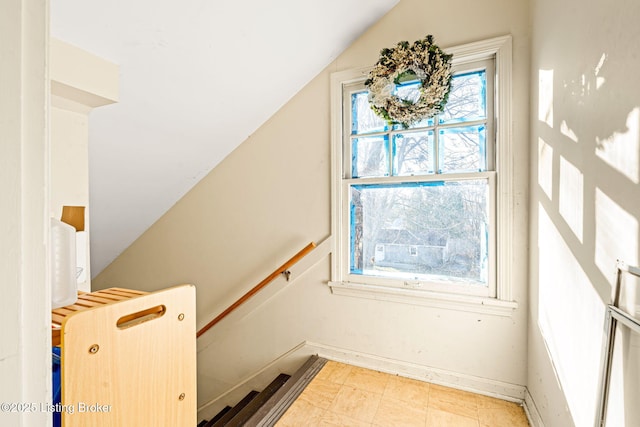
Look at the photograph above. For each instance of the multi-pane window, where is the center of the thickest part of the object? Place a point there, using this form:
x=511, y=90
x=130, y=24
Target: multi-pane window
x=418, y=203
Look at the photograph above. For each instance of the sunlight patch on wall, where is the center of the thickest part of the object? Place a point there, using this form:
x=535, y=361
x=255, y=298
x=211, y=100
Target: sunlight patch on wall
x=600, y=80
x=616, y=235
x=545, y=167
x=570, y=318
x=545, y=96
x=570, y=198
x=621, y=150
x=567, y=131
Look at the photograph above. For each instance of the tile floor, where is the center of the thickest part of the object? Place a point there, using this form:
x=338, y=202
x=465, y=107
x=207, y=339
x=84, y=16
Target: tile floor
x=344, y=395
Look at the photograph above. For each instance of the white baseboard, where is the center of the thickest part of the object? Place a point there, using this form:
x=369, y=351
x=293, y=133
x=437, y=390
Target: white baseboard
x=290, y=361
x=499, y=389
x=535, y=420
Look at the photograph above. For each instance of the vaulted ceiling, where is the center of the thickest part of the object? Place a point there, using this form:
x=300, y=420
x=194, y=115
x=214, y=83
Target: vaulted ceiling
x=197, y=77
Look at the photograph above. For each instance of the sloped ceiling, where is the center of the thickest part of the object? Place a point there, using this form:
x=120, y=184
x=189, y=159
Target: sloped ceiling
x=197, y=77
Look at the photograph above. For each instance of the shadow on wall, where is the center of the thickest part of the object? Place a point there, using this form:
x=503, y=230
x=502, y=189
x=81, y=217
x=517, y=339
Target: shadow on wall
x=588, y=137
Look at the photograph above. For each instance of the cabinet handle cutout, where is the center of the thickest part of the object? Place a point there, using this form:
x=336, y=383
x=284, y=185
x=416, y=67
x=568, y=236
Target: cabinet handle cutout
x=134, y=319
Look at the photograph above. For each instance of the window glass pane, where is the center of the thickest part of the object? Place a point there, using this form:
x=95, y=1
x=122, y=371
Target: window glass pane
x=370, y=156
x=363, y=119
x=467, y=99
x=462, y=149
x=432, y=231
x=413, y=153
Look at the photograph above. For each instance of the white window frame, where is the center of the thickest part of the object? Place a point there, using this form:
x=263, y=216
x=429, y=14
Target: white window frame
x=500, y=302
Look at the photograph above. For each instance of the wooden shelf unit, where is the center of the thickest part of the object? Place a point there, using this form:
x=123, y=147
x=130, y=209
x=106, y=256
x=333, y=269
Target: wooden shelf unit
x=128, y=358
x=86, y=301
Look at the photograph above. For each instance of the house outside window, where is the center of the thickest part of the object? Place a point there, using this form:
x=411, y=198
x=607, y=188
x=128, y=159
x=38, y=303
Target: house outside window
x=418, y=208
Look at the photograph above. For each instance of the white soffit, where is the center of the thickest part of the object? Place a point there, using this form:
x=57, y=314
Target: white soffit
x=187, y=71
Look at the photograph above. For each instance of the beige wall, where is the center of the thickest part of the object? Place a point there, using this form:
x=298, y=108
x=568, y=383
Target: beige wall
x=271, y=196
x=585, y=143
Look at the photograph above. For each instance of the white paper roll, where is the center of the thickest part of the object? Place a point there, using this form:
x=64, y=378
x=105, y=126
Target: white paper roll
x=64, y=285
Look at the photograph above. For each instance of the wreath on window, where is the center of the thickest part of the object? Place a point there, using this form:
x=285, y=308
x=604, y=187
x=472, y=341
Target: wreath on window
x=423, y=61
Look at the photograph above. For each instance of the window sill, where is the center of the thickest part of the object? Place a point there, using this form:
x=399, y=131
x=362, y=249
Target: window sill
x=465, y=303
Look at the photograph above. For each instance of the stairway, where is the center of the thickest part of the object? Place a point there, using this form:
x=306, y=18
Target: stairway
x=265, y=408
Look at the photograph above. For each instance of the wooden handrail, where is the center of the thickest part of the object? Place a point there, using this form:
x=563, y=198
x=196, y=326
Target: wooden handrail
x=284, y=267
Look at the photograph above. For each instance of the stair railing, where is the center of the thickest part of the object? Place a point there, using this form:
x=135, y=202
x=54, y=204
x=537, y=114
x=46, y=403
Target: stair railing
x=283, y=269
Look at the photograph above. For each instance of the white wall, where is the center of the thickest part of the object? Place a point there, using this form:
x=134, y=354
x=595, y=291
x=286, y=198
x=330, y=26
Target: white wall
x=80, y=81
x=25, y=354
x=585, y=145
x=29, y=197
x=271, y=196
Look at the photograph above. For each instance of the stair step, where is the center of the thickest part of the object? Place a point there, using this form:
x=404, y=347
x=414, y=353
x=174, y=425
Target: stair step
x=230, y=414
x=265, y=409
x=219, y=415
x=272, y=410
x=250, y=409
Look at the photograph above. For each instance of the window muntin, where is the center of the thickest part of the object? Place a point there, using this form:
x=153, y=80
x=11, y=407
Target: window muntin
x=463, y=126
x=418, y=202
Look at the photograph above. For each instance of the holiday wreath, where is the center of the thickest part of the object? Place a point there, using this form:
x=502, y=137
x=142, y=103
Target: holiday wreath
x=422, y=61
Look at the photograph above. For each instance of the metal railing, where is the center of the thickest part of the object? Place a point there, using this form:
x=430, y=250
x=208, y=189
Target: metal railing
x=613, y=316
